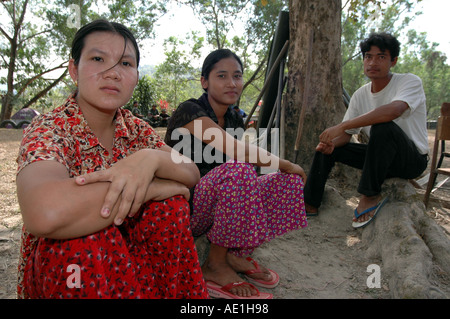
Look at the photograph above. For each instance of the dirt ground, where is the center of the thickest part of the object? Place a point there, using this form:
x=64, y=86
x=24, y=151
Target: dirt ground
x=328, y=259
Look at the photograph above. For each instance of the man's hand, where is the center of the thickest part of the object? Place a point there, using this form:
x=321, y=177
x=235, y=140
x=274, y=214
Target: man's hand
x=331, y=133
x=325, y=148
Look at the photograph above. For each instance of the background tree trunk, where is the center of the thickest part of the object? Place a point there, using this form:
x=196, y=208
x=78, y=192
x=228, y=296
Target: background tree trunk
x=324, y=105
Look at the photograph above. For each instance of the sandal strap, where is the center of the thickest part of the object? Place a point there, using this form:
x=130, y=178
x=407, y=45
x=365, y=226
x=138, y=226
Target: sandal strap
x=257, y=270
x=368, y=210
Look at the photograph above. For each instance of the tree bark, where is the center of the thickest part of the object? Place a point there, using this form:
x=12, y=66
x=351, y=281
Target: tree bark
x=323, y=102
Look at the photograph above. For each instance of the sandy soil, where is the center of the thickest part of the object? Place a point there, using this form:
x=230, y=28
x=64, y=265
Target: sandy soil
x=328, y=259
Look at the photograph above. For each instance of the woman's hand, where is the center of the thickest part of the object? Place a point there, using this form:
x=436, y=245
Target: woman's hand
x=161, y=189
x=132, y=176
x=291, y=168
x=129, y=178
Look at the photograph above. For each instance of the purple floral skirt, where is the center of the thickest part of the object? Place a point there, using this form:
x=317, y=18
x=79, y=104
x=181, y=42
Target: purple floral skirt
x=240, y=210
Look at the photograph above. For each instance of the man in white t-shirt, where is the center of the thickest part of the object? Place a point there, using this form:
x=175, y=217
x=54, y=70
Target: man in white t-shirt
x=391, y=110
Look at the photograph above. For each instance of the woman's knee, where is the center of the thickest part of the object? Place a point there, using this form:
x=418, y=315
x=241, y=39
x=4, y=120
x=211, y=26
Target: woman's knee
x=175, y=207
x=234, y=170
x=284, y=178
x=245, y=168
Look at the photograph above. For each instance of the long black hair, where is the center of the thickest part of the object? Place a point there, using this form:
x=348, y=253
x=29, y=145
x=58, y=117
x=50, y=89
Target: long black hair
x=105, y=26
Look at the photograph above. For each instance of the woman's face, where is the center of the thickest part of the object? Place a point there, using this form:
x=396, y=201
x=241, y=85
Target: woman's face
x=106, y=74
x=224, y=83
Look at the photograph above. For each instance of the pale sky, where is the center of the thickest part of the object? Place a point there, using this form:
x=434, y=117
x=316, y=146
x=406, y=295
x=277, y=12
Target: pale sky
x=434, y=21
x=177, y=22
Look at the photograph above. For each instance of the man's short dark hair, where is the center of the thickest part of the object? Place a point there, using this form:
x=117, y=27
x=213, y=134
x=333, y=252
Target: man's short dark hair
x=384, y=41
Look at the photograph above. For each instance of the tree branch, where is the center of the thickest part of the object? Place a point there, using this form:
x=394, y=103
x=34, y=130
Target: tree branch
x=32, y=36
x=22, y=17
x=29, y=81
x=350, y=58
x=252, y=78
x=44, y=91
x=5, y=34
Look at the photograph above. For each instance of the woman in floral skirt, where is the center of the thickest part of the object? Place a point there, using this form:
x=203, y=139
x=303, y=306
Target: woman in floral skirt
x=236, y=208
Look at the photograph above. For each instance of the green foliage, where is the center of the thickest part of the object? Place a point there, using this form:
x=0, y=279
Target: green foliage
x=218, y=16
x=144, y=94
x=422, y=58
x=35, y=49
x=176, y=80
x=44, y=38
x=252, y=44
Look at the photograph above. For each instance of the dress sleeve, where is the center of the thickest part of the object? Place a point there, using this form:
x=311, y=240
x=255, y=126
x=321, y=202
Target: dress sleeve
x=153, y=140
x=40, y=142
x=139, y=133
x=187, y=112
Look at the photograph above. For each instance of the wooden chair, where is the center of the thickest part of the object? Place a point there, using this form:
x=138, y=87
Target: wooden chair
x=442, y=135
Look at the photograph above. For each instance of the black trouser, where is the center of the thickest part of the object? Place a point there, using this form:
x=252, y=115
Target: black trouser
x=389, y=153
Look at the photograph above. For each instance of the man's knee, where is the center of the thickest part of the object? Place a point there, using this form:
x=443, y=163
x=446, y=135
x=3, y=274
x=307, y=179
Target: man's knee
x=381, y=130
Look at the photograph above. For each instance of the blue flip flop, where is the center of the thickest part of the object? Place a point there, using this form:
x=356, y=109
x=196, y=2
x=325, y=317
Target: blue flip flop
x=377, y=208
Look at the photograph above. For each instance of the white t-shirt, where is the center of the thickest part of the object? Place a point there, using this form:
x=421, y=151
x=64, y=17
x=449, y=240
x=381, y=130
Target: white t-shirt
x=402, y=87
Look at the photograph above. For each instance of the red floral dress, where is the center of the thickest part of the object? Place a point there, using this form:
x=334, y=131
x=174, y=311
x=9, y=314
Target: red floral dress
x=151, y=255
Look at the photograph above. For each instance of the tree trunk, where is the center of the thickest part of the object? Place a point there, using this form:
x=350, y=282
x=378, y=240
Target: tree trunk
x=322, y=100
x=7, y=101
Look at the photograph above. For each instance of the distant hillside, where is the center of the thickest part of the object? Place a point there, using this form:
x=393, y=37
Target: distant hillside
x=146, y=70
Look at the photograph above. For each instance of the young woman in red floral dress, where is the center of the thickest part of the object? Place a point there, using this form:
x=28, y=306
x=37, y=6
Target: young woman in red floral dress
x=123, y=232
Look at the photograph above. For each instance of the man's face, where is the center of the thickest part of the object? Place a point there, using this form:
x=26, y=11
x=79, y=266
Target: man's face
x=377, y=64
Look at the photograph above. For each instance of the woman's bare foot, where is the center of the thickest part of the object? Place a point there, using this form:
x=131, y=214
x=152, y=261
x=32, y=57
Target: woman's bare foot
x=241, y=264
x=364, y=203
x=217, y=269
